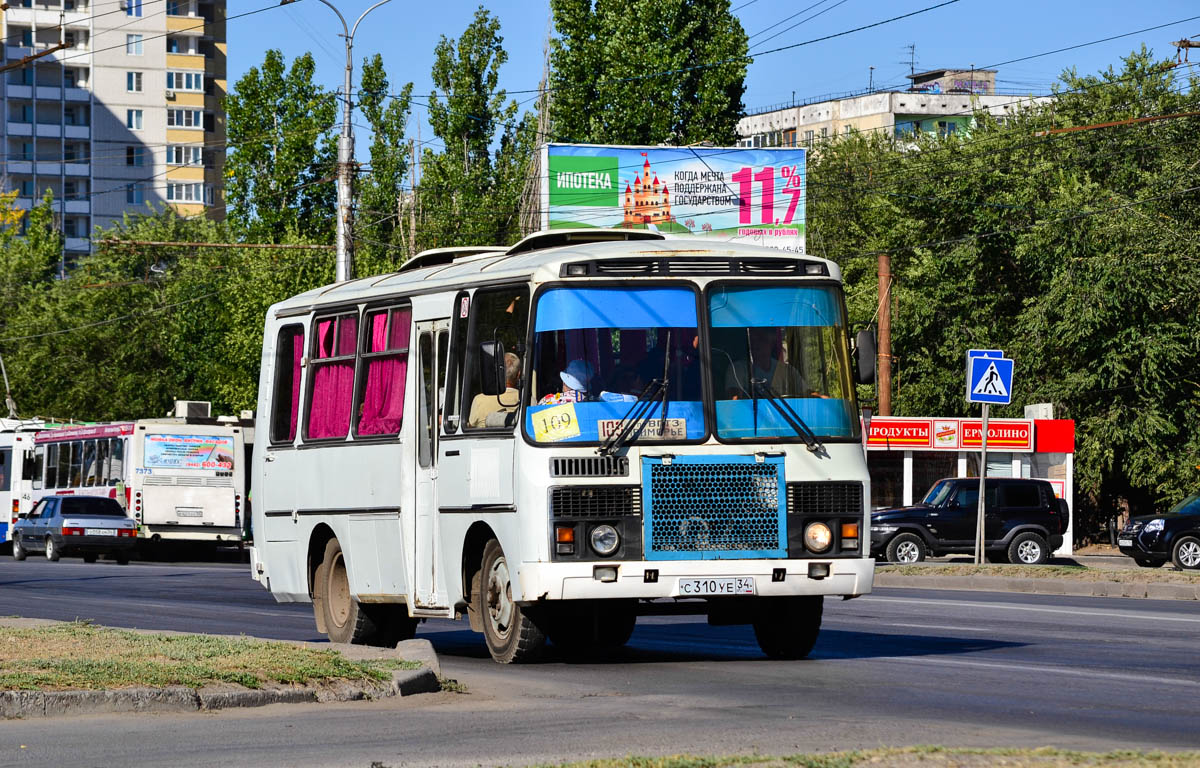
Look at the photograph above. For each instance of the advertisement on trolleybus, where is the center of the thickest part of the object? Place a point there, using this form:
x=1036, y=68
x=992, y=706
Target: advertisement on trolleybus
x=178, y=479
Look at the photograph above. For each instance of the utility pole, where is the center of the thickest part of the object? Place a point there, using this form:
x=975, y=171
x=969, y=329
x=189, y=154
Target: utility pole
x=884, y=366
x=345, y=174
x=412, y=202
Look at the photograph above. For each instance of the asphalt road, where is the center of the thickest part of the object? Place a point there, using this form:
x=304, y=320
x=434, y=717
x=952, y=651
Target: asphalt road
x=898, y=667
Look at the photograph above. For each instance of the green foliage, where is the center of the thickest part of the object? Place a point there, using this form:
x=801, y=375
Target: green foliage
x=470, y=188
x=279, y=175
x=1074, y=252
x=604, y=81
x=380, y=193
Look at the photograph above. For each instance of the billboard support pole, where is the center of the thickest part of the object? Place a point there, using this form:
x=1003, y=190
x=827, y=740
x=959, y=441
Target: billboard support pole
x=884, y=368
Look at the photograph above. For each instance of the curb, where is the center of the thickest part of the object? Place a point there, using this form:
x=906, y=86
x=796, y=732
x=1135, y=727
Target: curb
x=176, y=698
x=1153, y=591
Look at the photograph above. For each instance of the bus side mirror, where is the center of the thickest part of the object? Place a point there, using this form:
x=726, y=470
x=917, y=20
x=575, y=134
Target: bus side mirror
x=864, y=356
x=491, y=367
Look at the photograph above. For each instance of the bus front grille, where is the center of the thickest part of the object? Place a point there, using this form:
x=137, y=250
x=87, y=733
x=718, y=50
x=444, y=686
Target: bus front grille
x=713, y=507
x=596, y=501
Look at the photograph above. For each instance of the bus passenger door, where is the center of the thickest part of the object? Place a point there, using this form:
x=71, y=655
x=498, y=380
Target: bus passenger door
x=429, y=594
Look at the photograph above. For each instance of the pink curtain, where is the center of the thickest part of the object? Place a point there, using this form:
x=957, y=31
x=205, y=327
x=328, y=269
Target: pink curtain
x=332, y=394
x=383, y=395
x=297, y=355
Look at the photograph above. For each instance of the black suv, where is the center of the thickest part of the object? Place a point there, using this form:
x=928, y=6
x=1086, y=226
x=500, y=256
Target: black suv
x=1023, y=522
x=1174, y=536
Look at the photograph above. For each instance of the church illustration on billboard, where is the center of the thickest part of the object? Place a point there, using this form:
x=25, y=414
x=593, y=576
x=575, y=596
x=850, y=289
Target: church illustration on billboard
x=646, y=202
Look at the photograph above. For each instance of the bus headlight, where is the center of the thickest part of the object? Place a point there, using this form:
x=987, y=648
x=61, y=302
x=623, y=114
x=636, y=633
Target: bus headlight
x=818, y=537
x=605, y=540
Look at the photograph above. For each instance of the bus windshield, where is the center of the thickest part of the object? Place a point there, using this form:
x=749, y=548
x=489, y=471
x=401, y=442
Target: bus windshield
x=596, y=350
x=780, y=355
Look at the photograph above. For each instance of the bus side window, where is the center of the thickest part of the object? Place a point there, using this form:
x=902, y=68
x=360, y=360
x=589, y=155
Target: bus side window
x=52, y=465
x=89, y=463
x=102, y=461
x=76, y=463
x=5, y=463
x=285, y=400
x=383, y=370
x=39, y=458
x=454, y=362
x=331, y=393
x=497, y=314
x=425, y=411
x=64, y=465
x=116, y=467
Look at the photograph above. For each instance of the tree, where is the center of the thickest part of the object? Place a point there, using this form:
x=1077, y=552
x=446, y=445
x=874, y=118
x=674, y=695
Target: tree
x=279, y=176
x=646, y=71
x=469, y=192
x=381, y=192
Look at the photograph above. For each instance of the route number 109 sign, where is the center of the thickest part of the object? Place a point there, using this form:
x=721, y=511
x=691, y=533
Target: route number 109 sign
x=738, y=194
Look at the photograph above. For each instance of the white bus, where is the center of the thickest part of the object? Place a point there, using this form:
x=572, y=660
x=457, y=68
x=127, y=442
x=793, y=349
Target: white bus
x=16, y=448
x=560, y=437
x=180, y=479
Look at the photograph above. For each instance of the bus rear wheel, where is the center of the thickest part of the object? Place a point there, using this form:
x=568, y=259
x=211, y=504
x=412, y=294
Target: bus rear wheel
x=343, y=617
x=511, y=634
x=787, y=627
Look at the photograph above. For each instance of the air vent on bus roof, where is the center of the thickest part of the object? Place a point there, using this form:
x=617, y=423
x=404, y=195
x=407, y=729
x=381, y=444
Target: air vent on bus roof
x=555, y=238
x=193, y=409
x=781, y=266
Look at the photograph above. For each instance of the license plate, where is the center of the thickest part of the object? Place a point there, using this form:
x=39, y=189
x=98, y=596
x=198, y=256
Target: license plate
x=189, y=512
x=732, y=585
x=100, y=531
x=1124, y=542
x=674, y=429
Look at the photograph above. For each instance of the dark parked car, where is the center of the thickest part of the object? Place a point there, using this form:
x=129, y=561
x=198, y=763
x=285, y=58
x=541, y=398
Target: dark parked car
x=75, y=525
x=1174, y=536
x=1023, y=522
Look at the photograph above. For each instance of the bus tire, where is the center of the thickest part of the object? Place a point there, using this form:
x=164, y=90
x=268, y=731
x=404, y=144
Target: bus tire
x=122, y=558
x=344, y=619
x=511, y=634
x=52, y=550
x=18, y=552
x=787, y=628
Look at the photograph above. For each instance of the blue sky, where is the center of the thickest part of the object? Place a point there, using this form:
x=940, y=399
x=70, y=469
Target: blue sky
x=968, y=32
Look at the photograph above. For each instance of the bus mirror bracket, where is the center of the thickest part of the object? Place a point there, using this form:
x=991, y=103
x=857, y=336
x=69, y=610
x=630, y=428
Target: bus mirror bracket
x=491, y=367
x=864, y=356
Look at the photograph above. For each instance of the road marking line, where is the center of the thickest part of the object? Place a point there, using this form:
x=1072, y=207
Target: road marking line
x=1008, y=667
x=940, y=627
x=1140, y=616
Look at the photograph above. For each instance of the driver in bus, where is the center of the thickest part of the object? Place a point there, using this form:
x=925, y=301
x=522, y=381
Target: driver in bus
x=576, y=383
x=483, y=405
x=782, y=379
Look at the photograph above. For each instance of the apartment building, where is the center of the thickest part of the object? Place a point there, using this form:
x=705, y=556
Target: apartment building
x=122, y=110
x=941, y=100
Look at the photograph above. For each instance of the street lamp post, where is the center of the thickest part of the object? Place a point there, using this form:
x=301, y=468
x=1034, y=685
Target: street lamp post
x=345, y=174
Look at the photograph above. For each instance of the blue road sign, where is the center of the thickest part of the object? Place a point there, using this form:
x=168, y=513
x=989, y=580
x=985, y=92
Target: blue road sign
x=989, y=379
x=984, y=353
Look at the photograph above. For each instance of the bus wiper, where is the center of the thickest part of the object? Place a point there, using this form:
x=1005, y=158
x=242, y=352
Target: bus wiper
x=630, y=425
x=788, y=413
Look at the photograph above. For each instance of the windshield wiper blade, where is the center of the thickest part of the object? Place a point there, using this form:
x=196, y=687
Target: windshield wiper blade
x=789, y=415
x=631, y=423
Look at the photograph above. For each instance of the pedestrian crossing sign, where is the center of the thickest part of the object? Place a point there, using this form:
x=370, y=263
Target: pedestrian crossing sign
x=989, y=377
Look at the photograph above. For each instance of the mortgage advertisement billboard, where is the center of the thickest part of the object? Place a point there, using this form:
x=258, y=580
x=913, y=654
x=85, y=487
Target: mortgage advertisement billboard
x=737, y=194
x=188, y=452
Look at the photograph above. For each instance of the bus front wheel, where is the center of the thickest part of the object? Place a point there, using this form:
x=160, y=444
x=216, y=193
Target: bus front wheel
x=343, y=617
x=510, y=631
x=787, y=627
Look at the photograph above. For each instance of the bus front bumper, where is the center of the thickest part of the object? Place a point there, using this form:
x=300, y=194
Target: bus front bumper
x=650, y=580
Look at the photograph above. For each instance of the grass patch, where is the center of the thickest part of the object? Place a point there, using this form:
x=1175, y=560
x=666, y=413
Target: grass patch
x=79, y=655
x=1072, y=572
x=909, y=757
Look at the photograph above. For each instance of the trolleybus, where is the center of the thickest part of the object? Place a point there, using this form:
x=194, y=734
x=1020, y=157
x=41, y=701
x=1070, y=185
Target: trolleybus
x=16, y=448
x=563, y=436
x=180, y=479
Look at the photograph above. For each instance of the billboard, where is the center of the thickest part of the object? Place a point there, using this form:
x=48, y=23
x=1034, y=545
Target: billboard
x=721, y=194
x=188, y=452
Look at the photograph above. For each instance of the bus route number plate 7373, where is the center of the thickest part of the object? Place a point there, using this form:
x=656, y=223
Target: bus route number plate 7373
x=725, y=585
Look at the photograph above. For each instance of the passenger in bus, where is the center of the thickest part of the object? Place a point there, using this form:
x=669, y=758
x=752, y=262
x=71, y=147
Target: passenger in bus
x=483, y=405
x=624, y=386
x=576, y=384
x=781, y=378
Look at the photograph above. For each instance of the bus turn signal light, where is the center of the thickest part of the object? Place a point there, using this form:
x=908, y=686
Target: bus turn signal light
x=564, y=539
x=849, y=535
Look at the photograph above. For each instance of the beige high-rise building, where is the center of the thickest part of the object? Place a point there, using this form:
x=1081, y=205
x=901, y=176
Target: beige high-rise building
x=128, y=114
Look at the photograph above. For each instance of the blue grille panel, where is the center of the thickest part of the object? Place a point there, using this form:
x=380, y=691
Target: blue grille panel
x=714, y=507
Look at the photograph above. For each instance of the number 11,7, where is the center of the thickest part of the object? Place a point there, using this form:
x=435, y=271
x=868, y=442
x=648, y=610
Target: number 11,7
x=745, y=179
